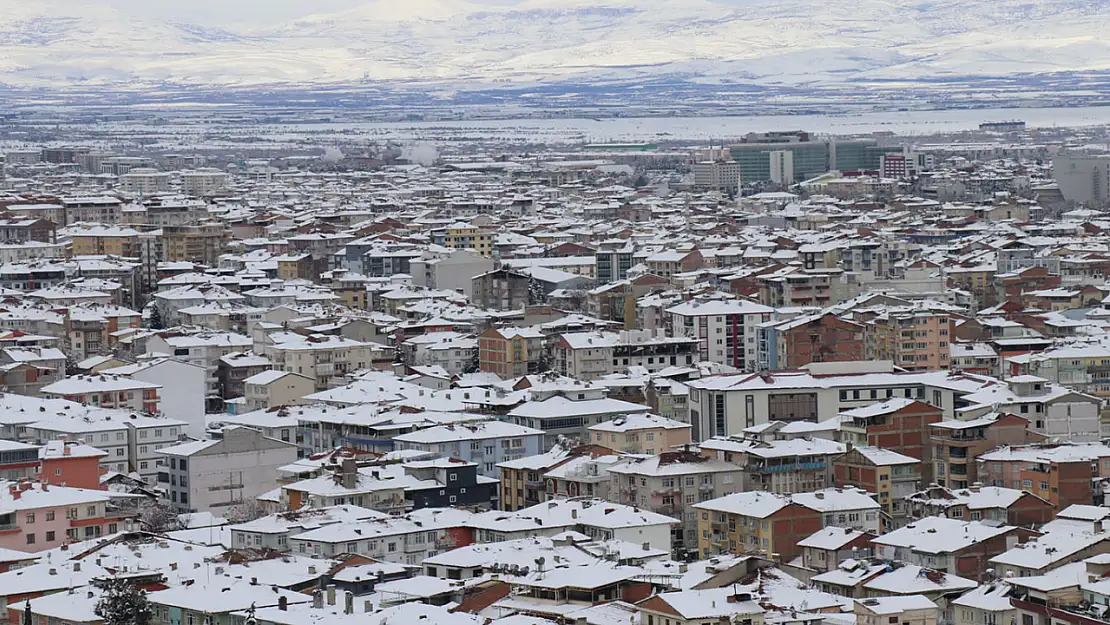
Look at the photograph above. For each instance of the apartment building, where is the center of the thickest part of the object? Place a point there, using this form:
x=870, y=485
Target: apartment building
x=487, y=444
x=522, y=479
x=218, y=474
x=727, y=331
x=1053, y=411
x=95, y=240
x=267, y=389
x=203, y=349
x=327, y=359
x=769, y=524
x=37, y=516
x=899, y=424
x=510, y=352
x=671, y=484
x=1062, y=474
x=725, y=404
x=890, y=475
x=105, y=390
x=957, y=443
x=204, y=182
x=592, y=355
x=462, y=236
x=641, y=434
x=806, y=339
x=143, y=181
x=796, y=465
x=200, y=243
x=917, y=340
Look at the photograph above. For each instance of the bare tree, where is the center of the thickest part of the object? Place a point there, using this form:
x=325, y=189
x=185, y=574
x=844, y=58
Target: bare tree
x=160, y=518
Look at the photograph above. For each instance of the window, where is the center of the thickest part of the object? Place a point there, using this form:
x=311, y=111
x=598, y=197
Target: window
x=30, y=539
x=50, y=516
x=143, y=433
x=50, y=537
x=119, y=451
x=30, y=517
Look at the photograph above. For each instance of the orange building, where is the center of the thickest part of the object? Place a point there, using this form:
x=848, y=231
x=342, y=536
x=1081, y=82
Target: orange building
x=70, y=463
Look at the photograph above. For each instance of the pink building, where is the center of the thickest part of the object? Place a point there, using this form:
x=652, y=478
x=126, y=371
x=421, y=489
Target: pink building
x=36, y=516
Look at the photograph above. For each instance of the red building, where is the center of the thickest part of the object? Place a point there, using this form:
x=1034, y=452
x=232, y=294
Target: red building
x=822, y=338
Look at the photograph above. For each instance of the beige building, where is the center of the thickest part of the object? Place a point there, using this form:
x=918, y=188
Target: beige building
x=641, y=434
x=276, y=388
x=202, y=243
x=324, y=358
x=671, y=484
x=905, y=610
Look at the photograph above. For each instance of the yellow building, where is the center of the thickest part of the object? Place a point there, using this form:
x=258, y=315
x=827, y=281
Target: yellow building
x=464, y=236
x=641, y=434
x=106, y=241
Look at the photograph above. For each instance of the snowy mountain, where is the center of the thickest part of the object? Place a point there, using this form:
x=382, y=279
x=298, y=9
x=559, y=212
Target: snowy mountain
x=64, y=42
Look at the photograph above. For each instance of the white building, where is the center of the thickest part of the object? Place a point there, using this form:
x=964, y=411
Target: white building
x=727, y=330
x=183, y=388
x=216, y=475
x=204, y=182
x=203, y=349
x=145, y=181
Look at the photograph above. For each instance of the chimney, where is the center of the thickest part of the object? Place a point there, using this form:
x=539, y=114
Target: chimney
x=76, y=567
x=173, y=566
x=53, y=571
x=66, y=451
x=331, y=594
x=254, y=581
x=348, y=602
x=283, y=603
x=318, y=599
x=574, y=514
x=312, y=569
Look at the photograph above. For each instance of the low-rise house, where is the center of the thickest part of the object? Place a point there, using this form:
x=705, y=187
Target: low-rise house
x=825, y=549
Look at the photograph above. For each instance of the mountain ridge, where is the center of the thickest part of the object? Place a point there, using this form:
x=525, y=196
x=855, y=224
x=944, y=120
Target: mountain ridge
x=50, y=43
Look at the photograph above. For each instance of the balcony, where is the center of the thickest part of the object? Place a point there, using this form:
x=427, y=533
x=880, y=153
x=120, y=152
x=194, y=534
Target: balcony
x=780, y=468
